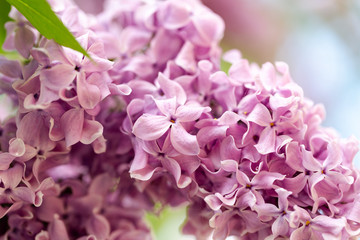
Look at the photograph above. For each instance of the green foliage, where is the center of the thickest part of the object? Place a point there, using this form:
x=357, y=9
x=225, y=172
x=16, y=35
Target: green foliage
x=4, y=17
x=225, y=66
x=41, y=16
x=167, y=223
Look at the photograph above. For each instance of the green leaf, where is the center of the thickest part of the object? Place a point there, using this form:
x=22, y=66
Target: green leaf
x=4, y=17
x=41, y=16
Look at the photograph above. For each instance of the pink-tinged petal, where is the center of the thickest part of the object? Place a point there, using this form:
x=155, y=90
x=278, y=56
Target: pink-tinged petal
x=25, y=194
x=97, y=64
x=339, y=178
x=134, y=108
x=186, y=58
x=326, y=189
x=277, y=101
x=283, y=68
x=5, y=211
x=220, y=223
x=57, y=76
x=260, y=115
x=229, y=118
x=120, y=89
x=102, y=82
x=55, y=131
x=89, y=95
x=280, y=227
x=182, y=141
x=101, y=184
x=313, y=181
x=300, y=234
x=99, y=226
x=334, y=157
x=46, y=97
x=251, y=154
x=350, y=148
x=266, y=211
x=42, y=235
x=140, y=88
x=24, y=40
x=173, y=166
x=268, y=76
x=164, y=52
x=50, y=206
x=219, y=77
x=295, y=184
x=33, y=130
x=208, y=134
x=188, y=113
x=242, y=178
x=12, y=176
x=56, y=52
x=174, y=15
x=230, y=166
x=91, y=131
x=283, y=201
x=328, y=224
x=171, y=89
x=99, y=145
x=354, y=212
x=145, y=173
x=204, y=77
x=280, y=142
x=9, y=40
x=265, y=180
x=213, y=202
x=17, y=147
x=308, y=160
x=293, y=157
x=10, y=68
x=246, y=199
x=166, y=106
x=41, y=56
x=5, y=160
x=232, y=56
x=216, y=201
x=72, y=124
x=141, y=65
x=209, y=26
x=90, y=237
x=133, y=39
x=141, y=157
x=228, y=149
x=151, y=127
x=266, y=142
x=240, y=73
x=57, y=229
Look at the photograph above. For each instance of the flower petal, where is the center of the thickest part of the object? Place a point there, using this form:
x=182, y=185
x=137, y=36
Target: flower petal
x=150, y=127
x=172, y=89
x=57, y=229
x=57, y=76
x=187, y=113
x=72, y=124
x=99, y=226
x=17, y=147
x=182, y=141
x=89, y=95
x=260, y=115
x=91, y=131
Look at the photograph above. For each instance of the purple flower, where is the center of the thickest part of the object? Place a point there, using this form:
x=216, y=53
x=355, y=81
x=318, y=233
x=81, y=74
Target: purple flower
x=151, y=127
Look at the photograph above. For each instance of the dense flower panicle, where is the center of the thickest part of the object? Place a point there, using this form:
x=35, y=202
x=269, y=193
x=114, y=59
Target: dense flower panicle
x=151, y=119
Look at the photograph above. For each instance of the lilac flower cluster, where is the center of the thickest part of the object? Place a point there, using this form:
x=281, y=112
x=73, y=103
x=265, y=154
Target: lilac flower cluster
x=151, y=119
